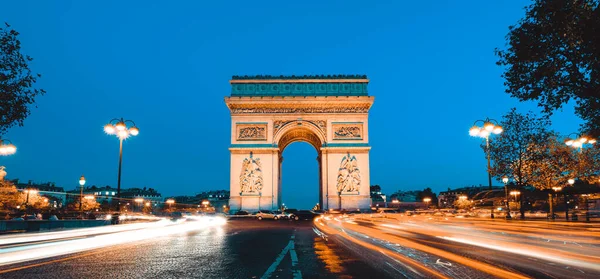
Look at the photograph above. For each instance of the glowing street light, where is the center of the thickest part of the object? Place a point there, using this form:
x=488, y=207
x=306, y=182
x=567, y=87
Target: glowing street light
x=120, y=129
x=170, y=202
x=427, y=200
x=578, y=141
x=29, y=191
x=462, y=197
x=7, y=148
x=490, y=126
x=505, y=181
x=81, y=183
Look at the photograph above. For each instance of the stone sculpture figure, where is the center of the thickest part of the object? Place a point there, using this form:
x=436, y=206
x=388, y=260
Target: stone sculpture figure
x=348, y=179
x=251, y=180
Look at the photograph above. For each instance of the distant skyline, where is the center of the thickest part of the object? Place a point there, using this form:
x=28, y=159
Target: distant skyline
x=431, y=67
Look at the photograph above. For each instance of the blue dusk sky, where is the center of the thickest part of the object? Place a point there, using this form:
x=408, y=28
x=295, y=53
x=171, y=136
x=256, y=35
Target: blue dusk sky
x=166, y=65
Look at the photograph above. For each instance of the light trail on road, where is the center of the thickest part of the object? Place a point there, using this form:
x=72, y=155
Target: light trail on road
x=34, y=246
x=428, y=246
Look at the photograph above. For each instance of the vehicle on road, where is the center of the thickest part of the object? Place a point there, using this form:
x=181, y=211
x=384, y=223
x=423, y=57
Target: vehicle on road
x=265, y=214
x=304, y=215
x=386, y=212
x=279, y=215
x=175, y=216
x=242, y=213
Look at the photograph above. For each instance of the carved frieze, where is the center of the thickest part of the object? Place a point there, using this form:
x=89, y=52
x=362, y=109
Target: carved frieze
x=347, y=131
x=252, y=131
x=278, y=124
x=300, y=109
x=251, y=179
x=348, y=179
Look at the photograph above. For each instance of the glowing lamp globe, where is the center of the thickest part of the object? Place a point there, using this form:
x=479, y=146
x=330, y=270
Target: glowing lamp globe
x=571, y=181
x=505, y=179
x=484, y=133
x=82, y=180
x=109, y=129
x=489, y=126
x=569, y=142
x=474, y=131
x=120, y=126
x=497, y=130
x=592, y=141
x=123, y=134
x=134, y=131
x=11, y=148
x=583, y=139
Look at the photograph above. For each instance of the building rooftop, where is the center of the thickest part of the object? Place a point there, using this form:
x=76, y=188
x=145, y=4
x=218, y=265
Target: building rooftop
x=306, y=85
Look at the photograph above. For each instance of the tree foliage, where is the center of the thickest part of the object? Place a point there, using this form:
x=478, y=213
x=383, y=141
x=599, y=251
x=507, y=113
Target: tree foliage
x=516, y=150
x=553, y=56
x=555, y=164
x=16, y=81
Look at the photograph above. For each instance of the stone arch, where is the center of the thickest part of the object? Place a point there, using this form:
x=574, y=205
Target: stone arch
x=300, y=130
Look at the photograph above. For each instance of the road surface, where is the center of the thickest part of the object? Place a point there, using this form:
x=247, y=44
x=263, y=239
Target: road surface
x=359, y=246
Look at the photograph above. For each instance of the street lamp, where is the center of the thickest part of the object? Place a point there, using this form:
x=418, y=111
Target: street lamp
x=427, y=200
x=29, y=191
x=556, y=189
x=490, y=126
x=505, y=181
x=120, y=129
x=571, y=181
x=81, y=183
x=578, y=141
x=170, y=202
x=7, y=148
x=139, y=201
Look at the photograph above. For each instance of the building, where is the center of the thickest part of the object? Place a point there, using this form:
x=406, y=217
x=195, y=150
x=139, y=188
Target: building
x=56, y=195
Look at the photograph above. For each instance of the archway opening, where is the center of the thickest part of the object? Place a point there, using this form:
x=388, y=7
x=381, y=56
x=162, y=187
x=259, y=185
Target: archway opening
x=300, y=176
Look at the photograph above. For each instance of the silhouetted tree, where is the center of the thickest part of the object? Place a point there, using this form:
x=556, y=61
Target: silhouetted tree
x=427, y=193
x=16, y=81
x=553, y=56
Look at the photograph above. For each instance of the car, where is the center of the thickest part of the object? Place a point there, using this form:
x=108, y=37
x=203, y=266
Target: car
x=265, y=214
x=384, y=212
x=176, y=216
x=304, y=215
x=280, y=215
x=242, y=213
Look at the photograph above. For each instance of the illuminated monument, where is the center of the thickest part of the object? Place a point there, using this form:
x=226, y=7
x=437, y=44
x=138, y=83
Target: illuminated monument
x=268, y=113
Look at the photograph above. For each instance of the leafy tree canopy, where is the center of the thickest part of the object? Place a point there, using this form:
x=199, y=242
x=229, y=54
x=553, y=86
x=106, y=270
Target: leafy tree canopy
x=16, y=81
x=552, y=56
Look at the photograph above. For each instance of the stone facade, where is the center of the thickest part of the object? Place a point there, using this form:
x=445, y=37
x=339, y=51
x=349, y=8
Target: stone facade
x=263, y=126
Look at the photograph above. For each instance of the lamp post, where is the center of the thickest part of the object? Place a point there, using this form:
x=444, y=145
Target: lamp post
x=139, y=202
x=556, y=189
x=571, y=181
x=490, y=126
x=7, y=148
x=29, y=191
x=340, y=199
x=505, y=181
x=120, y=129
x=170, y=202
x=81, y=183
x=427, y=200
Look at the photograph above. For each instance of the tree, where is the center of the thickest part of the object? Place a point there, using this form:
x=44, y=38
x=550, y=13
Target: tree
x=463, y=204
x=553, y=56
x=516, y=149
x=86, y=205
x=427, y=193
x=9, y=196
x=588, y=164
x=16, y=81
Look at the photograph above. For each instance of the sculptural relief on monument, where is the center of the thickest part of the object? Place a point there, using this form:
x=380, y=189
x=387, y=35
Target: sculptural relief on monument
x=252, y=131
x=251, y=178
x=348, y=179
x=278, y=124
x=347, y=131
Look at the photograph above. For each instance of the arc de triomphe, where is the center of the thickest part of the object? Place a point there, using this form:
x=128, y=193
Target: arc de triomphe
x=269, y=113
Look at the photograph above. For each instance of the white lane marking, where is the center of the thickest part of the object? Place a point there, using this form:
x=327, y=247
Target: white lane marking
x=288, y=248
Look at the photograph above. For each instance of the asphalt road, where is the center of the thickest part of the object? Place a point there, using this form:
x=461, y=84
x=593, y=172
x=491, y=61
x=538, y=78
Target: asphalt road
x=239, y=249
x=360, y=246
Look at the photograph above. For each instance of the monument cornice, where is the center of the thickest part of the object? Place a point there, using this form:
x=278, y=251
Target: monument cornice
x=292, y=105
x=235, y=81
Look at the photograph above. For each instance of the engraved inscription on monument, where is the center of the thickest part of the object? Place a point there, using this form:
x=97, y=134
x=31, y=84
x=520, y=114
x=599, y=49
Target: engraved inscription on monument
x=252, y=131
